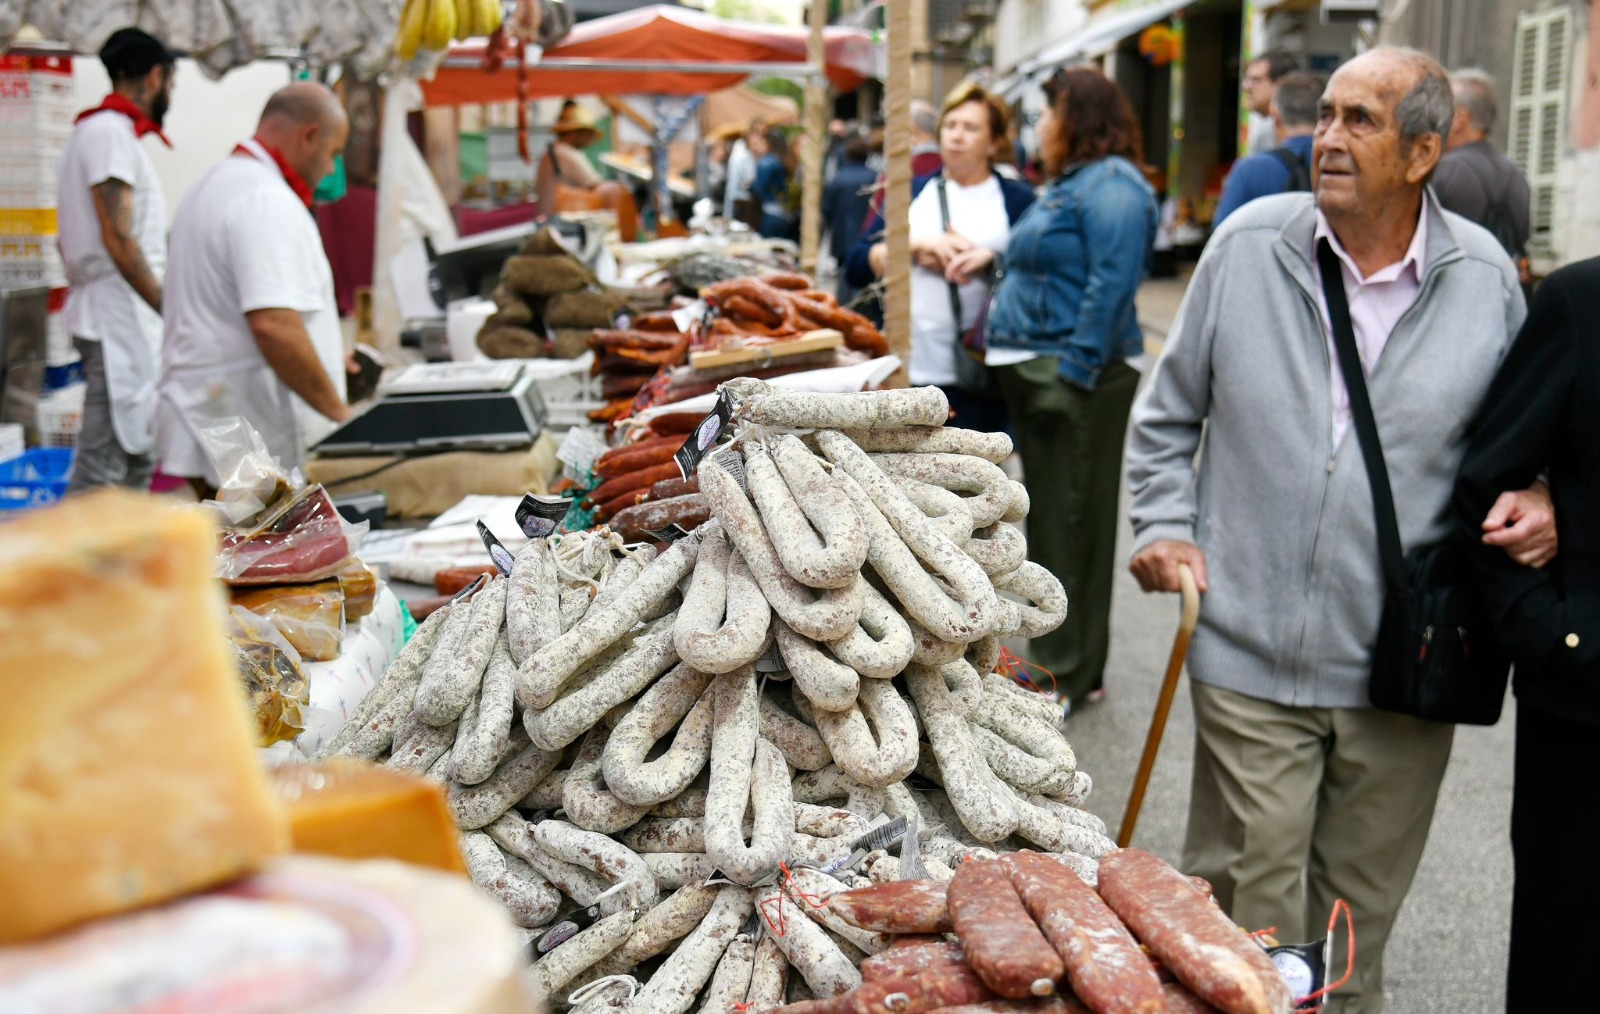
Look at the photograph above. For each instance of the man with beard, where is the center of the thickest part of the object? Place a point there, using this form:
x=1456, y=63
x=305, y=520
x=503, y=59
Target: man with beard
x=113, y=222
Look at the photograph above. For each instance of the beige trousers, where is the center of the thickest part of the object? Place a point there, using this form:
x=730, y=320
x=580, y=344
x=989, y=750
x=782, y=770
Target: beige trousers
x=1293, y=808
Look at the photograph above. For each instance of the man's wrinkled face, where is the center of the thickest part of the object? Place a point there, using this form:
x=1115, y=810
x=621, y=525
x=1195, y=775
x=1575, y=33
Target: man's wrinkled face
x=1358, y=159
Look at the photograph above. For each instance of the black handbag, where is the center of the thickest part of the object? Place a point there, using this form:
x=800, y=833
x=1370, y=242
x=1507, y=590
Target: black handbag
x=1436, y=657
x=972, y=374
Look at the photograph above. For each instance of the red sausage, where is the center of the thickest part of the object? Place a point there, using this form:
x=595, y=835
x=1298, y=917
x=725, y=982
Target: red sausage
x=897, y=961
x=919, y=994
x=1002, y=943
x=900, y=906
x=1208, y=953
x=1106, y=967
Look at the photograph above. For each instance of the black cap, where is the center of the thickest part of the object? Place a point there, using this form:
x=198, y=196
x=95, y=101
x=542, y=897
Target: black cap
x=133, y=53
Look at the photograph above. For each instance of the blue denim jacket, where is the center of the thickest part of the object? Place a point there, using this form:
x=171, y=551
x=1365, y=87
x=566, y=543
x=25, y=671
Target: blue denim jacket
x=1073, y=265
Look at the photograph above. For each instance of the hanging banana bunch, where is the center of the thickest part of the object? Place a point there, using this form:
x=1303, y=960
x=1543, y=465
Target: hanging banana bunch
x=431, y=24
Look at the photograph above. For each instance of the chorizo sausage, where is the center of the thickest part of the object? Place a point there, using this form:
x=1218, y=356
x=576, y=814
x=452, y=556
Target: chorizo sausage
x=900, y=906
x=1190, y=935
x=1002, y=943
x=1105, y=965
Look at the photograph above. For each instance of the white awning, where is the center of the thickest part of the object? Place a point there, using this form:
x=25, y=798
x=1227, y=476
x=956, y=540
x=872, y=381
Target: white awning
x=1097, y=37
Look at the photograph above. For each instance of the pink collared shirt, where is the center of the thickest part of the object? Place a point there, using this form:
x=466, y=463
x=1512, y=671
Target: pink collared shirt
x=1377, y=303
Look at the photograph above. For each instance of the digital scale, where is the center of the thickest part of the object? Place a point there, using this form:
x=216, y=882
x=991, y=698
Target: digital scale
x=430, y=407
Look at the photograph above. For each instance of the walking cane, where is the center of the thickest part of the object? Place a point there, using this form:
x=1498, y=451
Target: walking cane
x=1169, y=687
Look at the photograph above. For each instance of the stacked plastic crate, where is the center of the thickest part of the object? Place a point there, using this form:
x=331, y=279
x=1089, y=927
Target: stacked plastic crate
x=36, y=111
x=37, y=107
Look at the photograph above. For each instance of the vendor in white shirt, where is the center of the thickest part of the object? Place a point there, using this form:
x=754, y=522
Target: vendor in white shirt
x=113, y=222
x=252, y=329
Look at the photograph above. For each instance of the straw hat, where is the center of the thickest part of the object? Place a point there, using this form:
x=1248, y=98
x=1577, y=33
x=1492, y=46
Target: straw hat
x=573, y=121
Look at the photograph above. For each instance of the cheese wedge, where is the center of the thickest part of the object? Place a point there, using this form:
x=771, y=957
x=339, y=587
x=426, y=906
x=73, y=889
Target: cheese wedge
x=128, y=770
x=352, y=810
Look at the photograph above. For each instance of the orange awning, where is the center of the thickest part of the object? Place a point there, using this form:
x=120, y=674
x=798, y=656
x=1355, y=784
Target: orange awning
x=656, y=39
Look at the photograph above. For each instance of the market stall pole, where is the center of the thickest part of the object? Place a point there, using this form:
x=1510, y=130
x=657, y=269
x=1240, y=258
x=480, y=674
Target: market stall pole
x=816, y=130
x=897, y=199
x=1169, y=687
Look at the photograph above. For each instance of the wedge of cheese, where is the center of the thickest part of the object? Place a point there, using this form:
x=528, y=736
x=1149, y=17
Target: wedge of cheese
x=128, y=770
x=346, y=808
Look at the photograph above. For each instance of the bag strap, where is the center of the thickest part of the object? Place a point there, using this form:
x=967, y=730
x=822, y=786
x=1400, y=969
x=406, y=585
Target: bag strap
x=1390, y=553
x=944, y=223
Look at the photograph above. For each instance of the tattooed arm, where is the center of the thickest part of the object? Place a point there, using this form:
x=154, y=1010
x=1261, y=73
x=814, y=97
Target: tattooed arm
x=113, y=203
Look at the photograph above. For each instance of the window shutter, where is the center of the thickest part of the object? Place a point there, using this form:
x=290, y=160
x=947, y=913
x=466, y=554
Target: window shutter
x=1541, y=84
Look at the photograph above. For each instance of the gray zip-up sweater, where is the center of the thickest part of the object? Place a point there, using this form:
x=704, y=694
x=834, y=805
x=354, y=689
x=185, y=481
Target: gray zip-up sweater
x=1286, y=520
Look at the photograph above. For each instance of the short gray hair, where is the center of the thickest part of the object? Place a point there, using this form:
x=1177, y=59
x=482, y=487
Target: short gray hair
x=1298, y=98
x=924, y=118
x=1429, y=107
x=1474, y=93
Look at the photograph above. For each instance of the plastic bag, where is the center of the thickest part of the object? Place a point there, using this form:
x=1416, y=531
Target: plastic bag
x=252, y=480
x=274, y=682
x=311, y=617
x=302, y=539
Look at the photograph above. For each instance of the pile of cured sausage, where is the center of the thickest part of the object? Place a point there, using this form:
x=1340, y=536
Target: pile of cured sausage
x=644, y=364
x=662, y=754
x=1024, y=933
x=783, y=305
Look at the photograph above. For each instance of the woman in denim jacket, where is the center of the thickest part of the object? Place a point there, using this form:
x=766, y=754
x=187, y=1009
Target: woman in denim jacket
x=1061, y=332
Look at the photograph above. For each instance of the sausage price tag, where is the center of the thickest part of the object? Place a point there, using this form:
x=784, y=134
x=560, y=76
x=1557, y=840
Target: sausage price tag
x=497, y=551
x=538, y=516
x=705, y=435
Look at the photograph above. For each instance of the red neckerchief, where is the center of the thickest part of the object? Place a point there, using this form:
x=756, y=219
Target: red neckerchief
x=296, y=182
x=142, y=124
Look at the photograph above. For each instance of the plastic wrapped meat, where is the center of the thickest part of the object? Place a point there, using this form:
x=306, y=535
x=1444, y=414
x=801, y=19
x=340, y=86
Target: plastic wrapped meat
x=188, y=26
x=12, y=15
x=311, y=617
x=381, y=25
x=341, y=31
x=269, y=668
x=304, y=539
x=275, y=24
x=84, y=26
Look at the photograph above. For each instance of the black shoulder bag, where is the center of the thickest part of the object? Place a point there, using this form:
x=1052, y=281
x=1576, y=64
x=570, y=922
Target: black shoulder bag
x=1437, y=657
x=972, y=375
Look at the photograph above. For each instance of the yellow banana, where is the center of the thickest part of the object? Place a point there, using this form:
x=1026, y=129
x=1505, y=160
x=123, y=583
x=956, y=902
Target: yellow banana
x=440, y=26
x=466, y=20
x=488, y=18
x=409, y=38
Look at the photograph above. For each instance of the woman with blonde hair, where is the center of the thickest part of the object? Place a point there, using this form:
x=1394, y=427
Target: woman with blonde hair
x=961, y=220
x=1061, y=333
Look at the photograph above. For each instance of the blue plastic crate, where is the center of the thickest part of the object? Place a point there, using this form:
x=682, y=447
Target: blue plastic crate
x=38, y=477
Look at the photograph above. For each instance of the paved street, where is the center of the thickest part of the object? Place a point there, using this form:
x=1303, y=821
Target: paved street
x=1448, y=950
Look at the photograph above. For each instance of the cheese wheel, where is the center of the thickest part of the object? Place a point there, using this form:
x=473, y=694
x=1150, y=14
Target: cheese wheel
x=310, y=935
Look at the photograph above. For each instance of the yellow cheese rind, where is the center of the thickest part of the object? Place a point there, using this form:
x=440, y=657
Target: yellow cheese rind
x=353, y=810
x=128, y=770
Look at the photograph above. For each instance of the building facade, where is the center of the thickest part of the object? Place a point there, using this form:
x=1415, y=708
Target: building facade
x=1544, y=56
x=1180, y=62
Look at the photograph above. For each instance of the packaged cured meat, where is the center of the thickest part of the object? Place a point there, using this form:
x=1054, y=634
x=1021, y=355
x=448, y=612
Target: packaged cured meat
x=301, y=539
x=311, y=617
x=274, y=684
